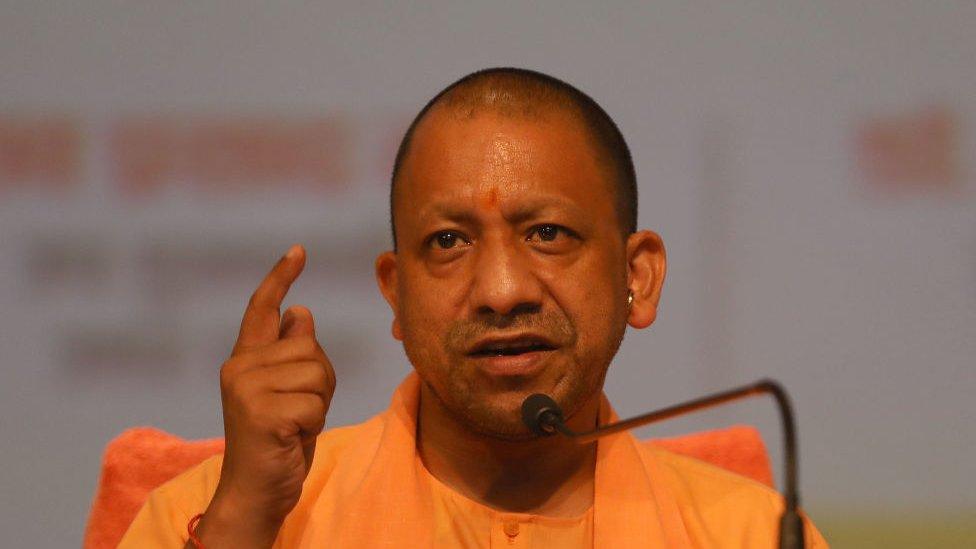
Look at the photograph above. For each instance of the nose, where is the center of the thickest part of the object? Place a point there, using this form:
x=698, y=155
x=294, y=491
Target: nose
x=504, y=283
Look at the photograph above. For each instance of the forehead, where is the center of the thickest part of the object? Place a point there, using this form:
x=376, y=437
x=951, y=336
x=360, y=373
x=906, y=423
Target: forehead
x=508, y=158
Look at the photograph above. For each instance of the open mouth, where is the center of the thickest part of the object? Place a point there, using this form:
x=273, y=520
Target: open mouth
x=510, y=348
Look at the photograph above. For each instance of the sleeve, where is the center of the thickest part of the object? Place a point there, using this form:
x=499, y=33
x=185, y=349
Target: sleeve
x=161, y=522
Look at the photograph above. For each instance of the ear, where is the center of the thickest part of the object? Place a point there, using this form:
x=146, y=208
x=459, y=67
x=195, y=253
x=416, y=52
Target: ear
x=646, y=267
x=386, y=278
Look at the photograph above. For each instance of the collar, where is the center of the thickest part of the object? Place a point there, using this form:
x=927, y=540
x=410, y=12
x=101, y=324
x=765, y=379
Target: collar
x=375, y=496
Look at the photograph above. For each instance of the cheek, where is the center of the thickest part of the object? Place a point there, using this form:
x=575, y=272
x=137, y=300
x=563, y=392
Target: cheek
x=419, y=319
x=590, y=299
x=595, y=316
x=424, y=317
x=424, y=350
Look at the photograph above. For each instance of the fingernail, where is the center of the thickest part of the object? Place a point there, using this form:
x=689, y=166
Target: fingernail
x=293, y=252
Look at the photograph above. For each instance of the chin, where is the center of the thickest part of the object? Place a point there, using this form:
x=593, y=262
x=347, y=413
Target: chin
x=501, y=422
x=500, y=416
x=498, y=428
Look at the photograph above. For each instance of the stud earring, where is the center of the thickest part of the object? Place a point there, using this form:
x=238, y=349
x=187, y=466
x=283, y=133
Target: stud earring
x=630, y=298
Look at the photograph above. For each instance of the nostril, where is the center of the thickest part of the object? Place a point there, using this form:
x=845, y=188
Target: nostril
x=526, y=308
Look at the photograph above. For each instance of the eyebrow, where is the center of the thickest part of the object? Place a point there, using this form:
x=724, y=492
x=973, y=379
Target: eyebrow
x=449, y=212
x=526, y=210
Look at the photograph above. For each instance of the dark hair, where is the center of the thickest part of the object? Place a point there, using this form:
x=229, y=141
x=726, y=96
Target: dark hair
x=525, y=92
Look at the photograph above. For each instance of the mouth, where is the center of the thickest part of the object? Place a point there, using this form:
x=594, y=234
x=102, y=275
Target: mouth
x=517, y=356
x=511, y=346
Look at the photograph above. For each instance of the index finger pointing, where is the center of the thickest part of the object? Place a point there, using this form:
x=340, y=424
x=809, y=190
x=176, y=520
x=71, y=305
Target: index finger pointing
x=260, y=323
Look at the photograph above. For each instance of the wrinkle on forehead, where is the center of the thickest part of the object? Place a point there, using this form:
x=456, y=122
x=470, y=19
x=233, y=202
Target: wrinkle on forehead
x=500, y=150
x=484, y=161
x=505, y=159
x=504, y=156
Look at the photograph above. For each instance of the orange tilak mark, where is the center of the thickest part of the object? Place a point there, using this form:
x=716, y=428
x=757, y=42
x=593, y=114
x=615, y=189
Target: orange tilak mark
x=490, y=200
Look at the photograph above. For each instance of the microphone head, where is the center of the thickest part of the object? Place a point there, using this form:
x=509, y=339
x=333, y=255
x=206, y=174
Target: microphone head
x=538, y=411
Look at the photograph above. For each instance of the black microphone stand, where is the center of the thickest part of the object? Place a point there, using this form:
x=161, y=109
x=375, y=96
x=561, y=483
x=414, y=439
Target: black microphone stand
x=541, y=414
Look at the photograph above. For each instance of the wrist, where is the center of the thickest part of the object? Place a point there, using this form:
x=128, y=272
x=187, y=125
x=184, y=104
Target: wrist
x=227, y=522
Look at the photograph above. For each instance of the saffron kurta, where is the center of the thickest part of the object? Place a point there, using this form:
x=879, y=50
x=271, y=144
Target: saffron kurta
x=368, y=488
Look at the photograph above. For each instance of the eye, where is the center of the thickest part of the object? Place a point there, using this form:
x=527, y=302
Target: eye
x=446, y=240
x=548, y=233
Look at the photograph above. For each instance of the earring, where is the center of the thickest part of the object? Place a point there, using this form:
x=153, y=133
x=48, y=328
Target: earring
x=630, y=298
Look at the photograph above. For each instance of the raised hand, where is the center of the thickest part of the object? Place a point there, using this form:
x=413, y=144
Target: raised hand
x=275, y=388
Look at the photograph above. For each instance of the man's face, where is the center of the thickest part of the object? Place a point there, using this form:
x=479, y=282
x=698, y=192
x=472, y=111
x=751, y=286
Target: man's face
x=511, y=270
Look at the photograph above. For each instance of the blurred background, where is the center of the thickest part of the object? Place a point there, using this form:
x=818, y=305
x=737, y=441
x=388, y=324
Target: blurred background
x=808, y=164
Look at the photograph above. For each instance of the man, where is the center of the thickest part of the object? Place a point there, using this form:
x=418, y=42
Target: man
x=516, y=268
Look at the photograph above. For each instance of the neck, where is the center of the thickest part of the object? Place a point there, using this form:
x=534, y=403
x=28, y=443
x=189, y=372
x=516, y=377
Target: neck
x=551, y=476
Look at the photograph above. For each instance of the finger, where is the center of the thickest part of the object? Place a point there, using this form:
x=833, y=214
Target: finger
x=294, y=377
x=260, y=323
x=297, y=415
x=310, y=414
x=293, y=349
x=296, y=322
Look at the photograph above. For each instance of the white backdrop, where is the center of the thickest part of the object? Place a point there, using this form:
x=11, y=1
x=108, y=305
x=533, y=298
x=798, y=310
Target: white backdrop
x=125, y=264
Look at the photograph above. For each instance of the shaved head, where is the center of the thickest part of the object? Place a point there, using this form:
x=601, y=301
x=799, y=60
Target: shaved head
x=530, y=95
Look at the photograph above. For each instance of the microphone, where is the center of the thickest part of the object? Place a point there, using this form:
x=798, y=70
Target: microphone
x=543, y=416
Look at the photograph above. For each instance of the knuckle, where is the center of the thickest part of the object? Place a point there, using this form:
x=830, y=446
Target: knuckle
x=232, y=369
x=324, y=376
x=317, y=375
x=318, y=423
x=310, y=405
x=282, y=430
x=228, y=371
x=320, y=407
x=331, y=381
x=315, y=415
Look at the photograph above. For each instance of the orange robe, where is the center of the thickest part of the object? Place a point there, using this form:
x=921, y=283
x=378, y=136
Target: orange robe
x=368, y=488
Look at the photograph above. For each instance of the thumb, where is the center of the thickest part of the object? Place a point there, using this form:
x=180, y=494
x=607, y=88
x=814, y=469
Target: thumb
x=296, y=322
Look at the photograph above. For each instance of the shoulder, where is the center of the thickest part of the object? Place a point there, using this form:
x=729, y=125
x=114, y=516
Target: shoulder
x=721, y=508
x=707, y=486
